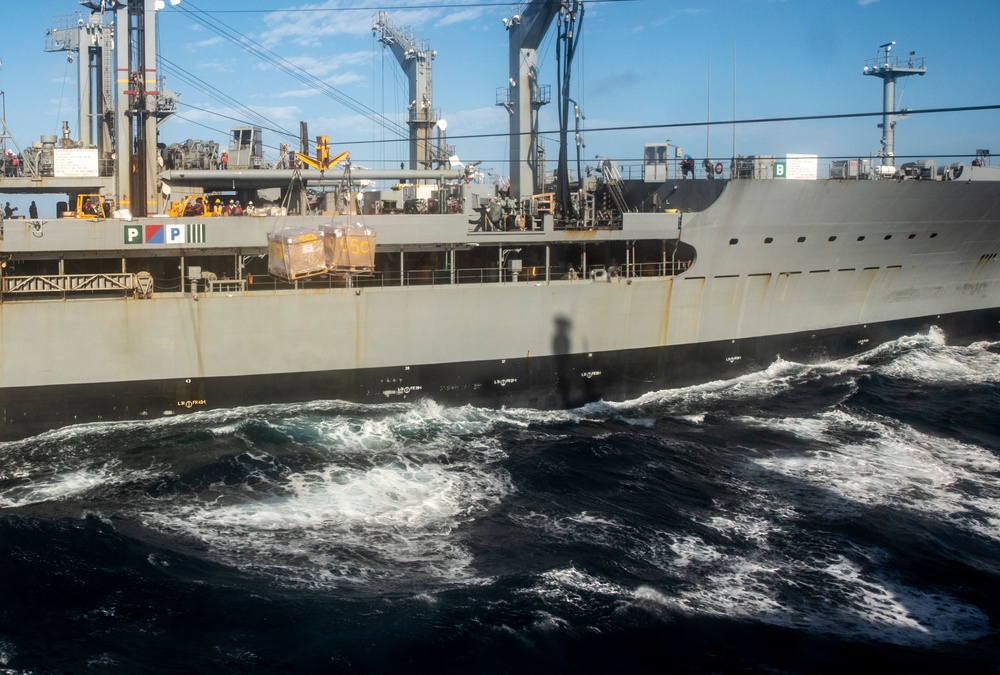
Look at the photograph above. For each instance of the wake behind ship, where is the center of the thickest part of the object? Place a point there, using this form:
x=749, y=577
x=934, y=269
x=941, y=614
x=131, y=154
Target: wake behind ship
x=181, y=279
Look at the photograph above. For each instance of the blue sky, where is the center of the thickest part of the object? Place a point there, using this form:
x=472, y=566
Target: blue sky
x=641, y=62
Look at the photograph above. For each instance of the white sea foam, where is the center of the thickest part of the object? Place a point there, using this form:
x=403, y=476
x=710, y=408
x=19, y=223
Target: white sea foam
x=767, y=568
x=580, y=527
x=575, y=588
x=829, y=594
x=809, y=589
x=974, y=364
x=379, y=507
x=54, y=487
x=775, y=378
x=873, y=461
x=922, y=356
x=60, y=473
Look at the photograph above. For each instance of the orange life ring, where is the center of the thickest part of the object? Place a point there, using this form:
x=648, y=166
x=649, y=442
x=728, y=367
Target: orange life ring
x=718, y=167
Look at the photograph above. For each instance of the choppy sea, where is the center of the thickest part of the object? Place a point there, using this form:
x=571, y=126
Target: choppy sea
x=800, y=519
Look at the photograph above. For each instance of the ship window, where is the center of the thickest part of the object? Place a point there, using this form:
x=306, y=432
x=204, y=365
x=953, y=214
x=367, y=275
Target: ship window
x=933, y=234
x=911, y=236
x=734, y=241
x=833, y=238
x=768, y=240
x=800, y=239
x=887, y=237
x=861, y=238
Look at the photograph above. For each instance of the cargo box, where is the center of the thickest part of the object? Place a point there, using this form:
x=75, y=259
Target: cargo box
x=349, y=248
x=295, y=253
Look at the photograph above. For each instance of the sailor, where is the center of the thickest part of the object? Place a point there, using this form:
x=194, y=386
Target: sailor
x=687, y=166
x=237, y=209
x=8, y=211
x=251, y=210
x=224, y=160
x=227, y=210
x=32, y=210
x=195, y=208
x=217, y=207
x=707, y=165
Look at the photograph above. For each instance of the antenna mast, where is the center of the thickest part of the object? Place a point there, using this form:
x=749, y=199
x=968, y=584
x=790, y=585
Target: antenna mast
x=889, y=69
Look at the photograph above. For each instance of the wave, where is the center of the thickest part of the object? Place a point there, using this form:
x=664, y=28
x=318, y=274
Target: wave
x=745, y=498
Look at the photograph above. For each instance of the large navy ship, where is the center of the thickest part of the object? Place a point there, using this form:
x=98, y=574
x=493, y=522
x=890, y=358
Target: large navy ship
x=177, y=281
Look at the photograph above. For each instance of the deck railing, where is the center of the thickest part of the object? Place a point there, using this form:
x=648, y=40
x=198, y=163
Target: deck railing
x=126, y=284
x=69, y=283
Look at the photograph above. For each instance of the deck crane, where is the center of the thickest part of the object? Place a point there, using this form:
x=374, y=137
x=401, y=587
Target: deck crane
x=525, y=96
x=415, y=58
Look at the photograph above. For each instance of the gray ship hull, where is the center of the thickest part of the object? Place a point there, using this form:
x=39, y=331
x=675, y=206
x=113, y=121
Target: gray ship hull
x=801, y=269
x=558, y=381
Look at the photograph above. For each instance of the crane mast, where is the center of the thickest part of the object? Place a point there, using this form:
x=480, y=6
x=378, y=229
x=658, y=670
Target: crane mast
x=524, y=97
x=415, y=58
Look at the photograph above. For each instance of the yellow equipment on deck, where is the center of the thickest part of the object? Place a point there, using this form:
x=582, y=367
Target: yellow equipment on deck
x=322, y=160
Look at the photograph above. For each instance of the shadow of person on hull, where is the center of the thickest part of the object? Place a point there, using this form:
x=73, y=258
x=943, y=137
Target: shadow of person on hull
x=560, y=349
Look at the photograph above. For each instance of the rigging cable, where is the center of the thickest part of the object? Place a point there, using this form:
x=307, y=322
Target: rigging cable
x=268, y=56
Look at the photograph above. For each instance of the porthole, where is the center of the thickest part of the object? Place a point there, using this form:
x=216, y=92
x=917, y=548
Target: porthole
x=933, y=234
x=800, y=239
x=734, y=241
x=911, y=236
x=768, y=240
x=861, y=238
x=887, y=237
x=833, y=238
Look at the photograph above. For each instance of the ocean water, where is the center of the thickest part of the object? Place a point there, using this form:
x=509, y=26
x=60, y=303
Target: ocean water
x=804, y=518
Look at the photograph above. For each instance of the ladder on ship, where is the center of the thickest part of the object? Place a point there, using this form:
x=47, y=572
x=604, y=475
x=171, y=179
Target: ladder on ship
x=613, y=185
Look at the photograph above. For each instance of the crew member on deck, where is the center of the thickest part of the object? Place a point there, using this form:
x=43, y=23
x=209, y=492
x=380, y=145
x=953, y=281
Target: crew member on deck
x=687, y=166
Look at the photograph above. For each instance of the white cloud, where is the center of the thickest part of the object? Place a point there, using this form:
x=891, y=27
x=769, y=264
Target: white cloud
x=203, y=44
x=460, y=16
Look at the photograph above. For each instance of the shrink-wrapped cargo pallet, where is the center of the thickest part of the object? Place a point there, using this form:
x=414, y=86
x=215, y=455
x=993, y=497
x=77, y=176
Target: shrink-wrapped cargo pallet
x=349, y=248
x=295, y=253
